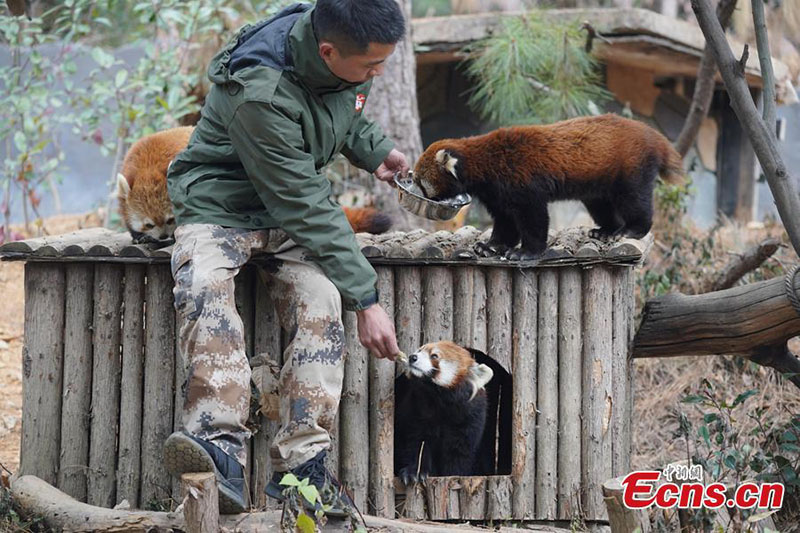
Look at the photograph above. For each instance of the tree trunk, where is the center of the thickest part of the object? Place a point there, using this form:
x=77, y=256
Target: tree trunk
x=736, y=321
x=781, y=183
x=393, y=105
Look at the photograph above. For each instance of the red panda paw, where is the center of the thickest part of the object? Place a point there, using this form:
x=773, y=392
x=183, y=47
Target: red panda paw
x=487, y=249
x=408, y=475
x=522, y=255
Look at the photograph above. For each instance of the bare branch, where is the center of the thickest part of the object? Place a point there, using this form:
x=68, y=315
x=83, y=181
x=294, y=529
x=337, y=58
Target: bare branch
x=781, y=359
x=744, y=58
x=764, y=58
x=762, y=137
x=704, y=86
x=747, y=262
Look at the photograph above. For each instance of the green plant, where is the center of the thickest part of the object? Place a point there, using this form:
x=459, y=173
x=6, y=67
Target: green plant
x=12, y=522
x=768, y=453
x=294, y=516
x=534, y=70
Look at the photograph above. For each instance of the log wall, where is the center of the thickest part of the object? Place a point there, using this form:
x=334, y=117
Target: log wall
x=101, y=340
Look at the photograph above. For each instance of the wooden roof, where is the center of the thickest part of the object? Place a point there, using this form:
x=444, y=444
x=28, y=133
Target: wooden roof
x=418, y=247
x=638, y=38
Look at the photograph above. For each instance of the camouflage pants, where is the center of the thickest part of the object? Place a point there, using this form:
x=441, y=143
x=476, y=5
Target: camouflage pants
x=205, y=261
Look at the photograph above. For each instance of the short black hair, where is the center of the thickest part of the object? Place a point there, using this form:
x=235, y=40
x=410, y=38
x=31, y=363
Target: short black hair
x=352, y=24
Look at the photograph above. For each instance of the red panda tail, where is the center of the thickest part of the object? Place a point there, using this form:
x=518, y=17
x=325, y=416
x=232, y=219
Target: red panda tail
x=367, y=219
x=671, y=170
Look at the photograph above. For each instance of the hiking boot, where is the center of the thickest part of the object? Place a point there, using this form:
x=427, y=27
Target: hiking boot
x=330, y=490
x=186, y=453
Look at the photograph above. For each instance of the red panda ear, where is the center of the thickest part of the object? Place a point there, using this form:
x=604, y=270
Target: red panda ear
x=479, y=376
x=123, y=188
x=447, y=161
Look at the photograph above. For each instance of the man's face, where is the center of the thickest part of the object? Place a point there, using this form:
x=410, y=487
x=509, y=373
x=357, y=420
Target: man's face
x=359, y=67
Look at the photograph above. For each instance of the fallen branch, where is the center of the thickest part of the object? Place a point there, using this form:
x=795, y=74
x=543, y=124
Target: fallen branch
x=62, y=512
x=747, y=262
x=735, y=321
x=781, y=359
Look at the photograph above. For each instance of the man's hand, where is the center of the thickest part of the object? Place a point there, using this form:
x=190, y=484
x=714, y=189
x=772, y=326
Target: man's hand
x=395, y=162
x=376, y=332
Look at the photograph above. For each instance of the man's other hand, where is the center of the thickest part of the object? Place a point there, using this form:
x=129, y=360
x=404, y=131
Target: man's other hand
x=376, y=332
x=395, y=162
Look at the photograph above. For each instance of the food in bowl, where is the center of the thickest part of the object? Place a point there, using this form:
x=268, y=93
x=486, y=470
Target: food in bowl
x=413, y=200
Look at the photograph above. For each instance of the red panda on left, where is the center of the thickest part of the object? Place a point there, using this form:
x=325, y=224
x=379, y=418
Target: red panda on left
x=444, y=405
x=142, y=190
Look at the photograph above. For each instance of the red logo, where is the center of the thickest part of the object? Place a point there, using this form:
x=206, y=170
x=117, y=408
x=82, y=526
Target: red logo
x=361, y=99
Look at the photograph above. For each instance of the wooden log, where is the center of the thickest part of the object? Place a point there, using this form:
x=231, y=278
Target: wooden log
x=472, y=498
x=381, y=414
x=77, y=396
x=200, y=497
x=524, y=379
x=181, y=371
x=437, y=493
x=408, y=308
x=570, y=357
x=414, y=505
x=60, y=512
x=499, y=292
x=621, y=435
x=106, y=375
x=744, y=263
x=597, y=402
x=244, y=296
x=621, y=518
x=498, y=497
x=733, y=321
x=108, y=246
x=437, y=304
x=159, y=379
x=463, y=299
x=480, y=320
x=42, y=358
x=130, y=412
x=354, y=415
x=266, y=343
x=547, y=394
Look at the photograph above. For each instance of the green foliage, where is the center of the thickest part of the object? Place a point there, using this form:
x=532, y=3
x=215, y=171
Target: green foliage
x=534, y=71
x=12, y=522
x=766, y=454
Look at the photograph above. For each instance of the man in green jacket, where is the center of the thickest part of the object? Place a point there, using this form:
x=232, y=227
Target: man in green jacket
x=288, y=95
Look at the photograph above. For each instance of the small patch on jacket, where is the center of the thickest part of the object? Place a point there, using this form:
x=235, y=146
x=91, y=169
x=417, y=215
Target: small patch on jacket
x=361, y=100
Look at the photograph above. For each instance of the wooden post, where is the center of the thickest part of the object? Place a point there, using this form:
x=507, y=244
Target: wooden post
x=498, y=498
x=354, y=415
x=77, y=397
x=244, y=296
x=621, y=518
x=472, y=498
x=200, y=502
x=106, y=375
x=437, y=304
x=42, y=370
x=480, y=322
x=597, y=404
x=523, y=375
x=381, y=414
x=159, y=379
x=570, y=357
x=547, y=404
x=408, y=308
x=266, y=342
x=498, y=304
x=130, y=412
x=463, y=299
x=620, y=380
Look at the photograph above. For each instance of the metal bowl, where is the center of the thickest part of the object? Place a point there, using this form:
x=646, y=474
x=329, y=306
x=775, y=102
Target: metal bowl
x=412, y=200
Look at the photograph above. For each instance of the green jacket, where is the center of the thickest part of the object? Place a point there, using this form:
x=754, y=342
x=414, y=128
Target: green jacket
x=274, y=117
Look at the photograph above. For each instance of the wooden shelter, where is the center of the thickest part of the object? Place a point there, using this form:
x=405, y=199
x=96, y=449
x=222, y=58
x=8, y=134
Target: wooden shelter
x=102, y=387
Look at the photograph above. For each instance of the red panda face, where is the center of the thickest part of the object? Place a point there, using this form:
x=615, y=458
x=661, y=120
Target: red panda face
x=146, y=208
x=448, y=365
x=436, y=172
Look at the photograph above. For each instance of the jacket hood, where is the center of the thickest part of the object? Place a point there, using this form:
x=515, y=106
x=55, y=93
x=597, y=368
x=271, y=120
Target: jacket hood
x=285, y=42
